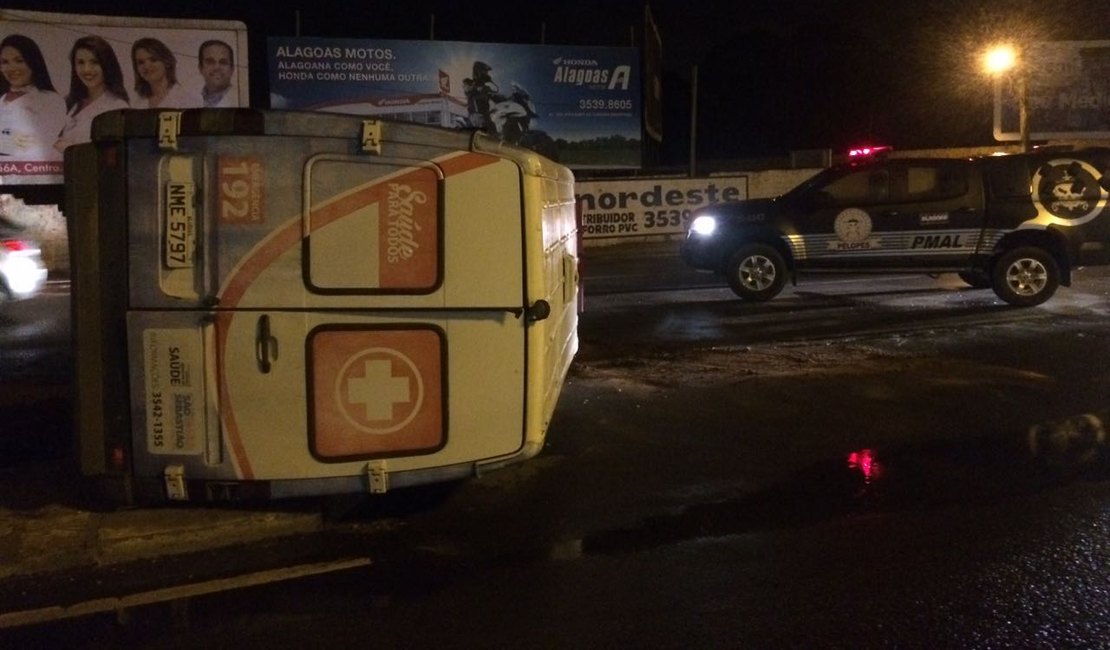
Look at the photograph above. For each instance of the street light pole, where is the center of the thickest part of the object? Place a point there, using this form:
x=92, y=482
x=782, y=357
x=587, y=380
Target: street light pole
x=1004, y=60
x=1023, y=110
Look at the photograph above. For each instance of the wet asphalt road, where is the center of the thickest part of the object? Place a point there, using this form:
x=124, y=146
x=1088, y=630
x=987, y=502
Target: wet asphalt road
x=876, y=462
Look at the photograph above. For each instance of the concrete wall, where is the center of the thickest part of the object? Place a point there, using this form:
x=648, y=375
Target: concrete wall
x=760, y=184
x=776, y=182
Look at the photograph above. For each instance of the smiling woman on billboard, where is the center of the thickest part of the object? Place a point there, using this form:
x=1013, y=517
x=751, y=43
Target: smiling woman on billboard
x=31, y=111
x=95, y=86
x=155, y=68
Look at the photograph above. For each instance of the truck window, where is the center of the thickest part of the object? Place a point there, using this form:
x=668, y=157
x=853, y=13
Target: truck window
x=862, y=187
x=930, y=183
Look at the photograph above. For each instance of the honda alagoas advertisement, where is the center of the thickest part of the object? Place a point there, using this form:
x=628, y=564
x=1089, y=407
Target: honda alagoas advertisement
x=578, y=105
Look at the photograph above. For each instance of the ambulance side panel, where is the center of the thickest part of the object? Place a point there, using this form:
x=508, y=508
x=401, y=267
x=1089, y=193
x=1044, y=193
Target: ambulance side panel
x=99, y=291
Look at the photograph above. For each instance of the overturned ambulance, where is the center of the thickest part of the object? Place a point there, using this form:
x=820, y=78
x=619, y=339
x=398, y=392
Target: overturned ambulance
x=277, y=304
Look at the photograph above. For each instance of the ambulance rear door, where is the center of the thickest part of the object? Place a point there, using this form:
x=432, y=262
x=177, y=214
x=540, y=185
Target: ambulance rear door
x=300, y=310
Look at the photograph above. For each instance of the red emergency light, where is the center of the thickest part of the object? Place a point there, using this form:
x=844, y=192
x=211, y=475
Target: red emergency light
x=868, y=152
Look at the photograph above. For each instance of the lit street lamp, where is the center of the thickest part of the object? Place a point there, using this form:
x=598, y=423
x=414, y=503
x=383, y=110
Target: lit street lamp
x=1004, y=60
x=999, y=59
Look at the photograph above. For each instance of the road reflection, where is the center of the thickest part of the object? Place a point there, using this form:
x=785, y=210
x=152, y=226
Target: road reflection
x=875, y=482
x=36, y=365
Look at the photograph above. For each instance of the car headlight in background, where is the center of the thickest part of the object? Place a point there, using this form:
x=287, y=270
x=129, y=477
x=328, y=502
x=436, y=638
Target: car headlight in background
x=704, y=225
x=24, y=276
x=21, y=267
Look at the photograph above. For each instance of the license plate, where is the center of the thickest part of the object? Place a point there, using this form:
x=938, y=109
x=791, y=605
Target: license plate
x=181, y=220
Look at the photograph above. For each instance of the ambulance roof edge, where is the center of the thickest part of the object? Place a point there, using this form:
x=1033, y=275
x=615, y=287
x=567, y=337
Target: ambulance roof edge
x=531, y=162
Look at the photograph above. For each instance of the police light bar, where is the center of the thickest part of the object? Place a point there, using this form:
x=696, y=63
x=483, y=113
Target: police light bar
x=868, y=152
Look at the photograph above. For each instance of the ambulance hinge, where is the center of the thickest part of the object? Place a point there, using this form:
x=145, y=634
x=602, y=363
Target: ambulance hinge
x=169, y=127
x=378, y=476
x=540, y=310
x=176, y=490
x=372, y=136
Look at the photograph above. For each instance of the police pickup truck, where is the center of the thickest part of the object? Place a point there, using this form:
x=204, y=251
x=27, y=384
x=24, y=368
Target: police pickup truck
x=1019, y=224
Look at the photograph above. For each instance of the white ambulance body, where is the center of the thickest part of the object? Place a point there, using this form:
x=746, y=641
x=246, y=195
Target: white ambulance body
x=273, y=304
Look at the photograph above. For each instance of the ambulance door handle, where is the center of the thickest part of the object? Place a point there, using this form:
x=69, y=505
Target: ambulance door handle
x=265, y=345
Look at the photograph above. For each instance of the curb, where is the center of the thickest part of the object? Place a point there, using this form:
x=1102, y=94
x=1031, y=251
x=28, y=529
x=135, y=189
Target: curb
x=56, y=538
x=141, y=534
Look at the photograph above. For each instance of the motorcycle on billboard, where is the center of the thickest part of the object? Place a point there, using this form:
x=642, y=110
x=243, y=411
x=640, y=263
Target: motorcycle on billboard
x=507, y=116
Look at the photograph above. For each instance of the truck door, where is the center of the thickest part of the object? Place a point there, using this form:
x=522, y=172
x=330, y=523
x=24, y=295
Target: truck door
x=937, y=213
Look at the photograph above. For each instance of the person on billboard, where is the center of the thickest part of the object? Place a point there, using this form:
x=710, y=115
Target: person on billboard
x=31, y=111
x=155, y=69
x=216, y=61
x=481, y=94
x=95, y=86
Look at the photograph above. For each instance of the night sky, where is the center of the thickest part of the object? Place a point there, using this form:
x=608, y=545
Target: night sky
x=771, y=77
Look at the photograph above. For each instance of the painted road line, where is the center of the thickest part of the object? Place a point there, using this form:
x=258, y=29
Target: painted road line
x=178, y=592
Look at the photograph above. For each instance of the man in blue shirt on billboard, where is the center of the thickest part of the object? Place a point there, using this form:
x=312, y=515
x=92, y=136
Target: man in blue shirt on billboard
x=216, y=61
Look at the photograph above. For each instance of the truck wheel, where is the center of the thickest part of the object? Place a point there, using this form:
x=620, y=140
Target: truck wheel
x=1025, y=276
x=756, y=272
x=976, y=279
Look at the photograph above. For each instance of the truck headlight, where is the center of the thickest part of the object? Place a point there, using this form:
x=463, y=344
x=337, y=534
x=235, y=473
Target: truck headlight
x=704, y=225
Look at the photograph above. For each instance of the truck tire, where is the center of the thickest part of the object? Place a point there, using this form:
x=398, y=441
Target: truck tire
x=1025, y=276
x=757, y=272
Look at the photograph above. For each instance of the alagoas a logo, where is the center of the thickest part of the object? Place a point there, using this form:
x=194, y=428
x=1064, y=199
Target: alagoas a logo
x=586, y=72
x=1068, y=192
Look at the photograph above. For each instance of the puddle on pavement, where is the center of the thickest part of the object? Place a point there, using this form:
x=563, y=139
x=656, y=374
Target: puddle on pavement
x=409, y=566
x=874, y=481
x=859, y=482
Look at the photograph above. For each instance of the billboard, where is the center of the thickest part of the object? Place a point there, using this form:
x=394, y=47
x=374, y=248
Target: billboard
x=59, y=71
x=1068, y=91
x=578, y=105
x=649, y=206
